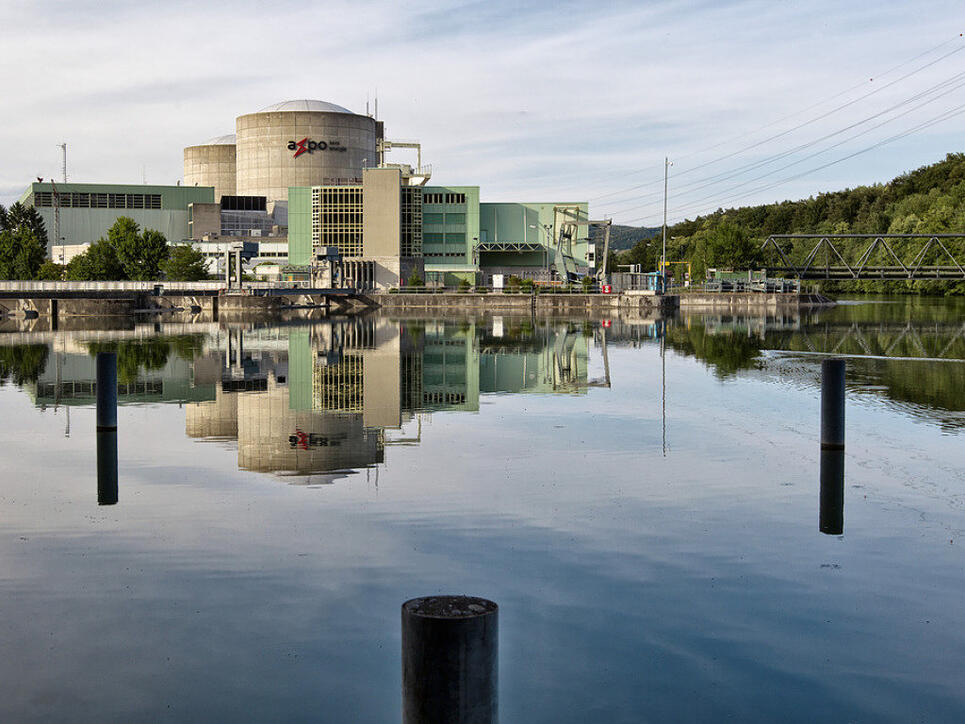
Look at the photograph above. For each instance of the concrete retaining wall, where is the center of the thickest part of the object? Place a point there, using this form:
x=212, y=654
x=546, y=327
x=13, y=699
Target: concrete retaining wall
x=735, y=301
x=524, y=303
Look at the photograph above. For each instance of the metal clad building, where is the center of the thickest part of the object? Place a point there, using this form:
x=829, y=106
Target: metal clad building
x=87, y=211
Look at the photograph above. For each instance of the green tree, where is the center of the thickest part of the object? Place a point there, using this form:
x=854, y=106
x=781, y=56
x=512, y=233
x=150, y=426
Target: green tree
x=21, y=253
x=643, y=253
x=729, y=246
x=20, y=217
x=23, y=362
x=50, y=271
x=185, y=263
x=415, y=280
x=140, y=255
x=98, y=263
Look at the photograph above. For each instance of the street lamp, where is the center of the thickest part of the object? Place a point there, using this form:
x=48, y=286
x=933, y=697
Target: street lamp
x=667, y=163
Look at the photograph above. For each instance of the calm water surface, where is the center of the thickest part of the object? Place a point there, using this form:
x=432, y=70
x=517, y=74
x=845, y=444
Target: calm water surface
x=640, y=498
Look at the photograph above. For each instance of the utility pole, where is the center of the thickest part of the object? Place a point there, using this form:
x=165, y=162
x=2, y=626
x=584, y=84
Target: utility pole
x=667, y=163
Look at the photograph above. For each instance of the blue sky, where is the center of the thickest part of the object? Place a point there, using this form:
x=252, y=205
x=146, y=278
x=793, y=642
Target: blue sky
x=531, y=101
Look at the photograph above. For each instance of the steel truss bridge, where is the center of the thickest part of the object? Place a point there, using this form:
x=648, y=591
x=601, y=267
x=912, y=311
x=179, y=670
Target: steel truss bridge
x=831, y=256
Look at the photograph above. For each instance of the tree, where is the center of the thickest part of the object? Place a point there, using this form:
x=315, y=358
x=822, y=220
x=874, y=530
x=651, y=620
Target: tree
x=184, y=264
x=415, y=280
x=50, y=271
x=21, y=254
x=3, y=218
x=98, y=263
x=644, y=253
x=20, y=217
x=729, y=246
x=140, y=255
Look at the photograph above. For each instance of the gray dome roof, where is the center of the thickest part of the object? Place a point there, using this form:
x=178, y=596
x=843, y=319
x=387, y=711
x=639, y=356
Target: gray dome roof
x=305, y=105
x=228, y=140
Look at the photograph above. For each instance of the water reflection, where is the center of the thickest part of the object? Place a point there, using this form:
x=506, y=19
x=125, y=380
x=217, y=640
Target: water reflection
x=831, y=515
x=909, y=351
x=316, y=401
x=319, y=401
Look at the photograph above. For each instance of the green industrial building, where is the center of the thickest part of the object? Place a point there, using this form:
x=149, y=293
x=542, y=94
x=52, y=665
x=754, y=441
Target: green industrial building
x=384, y=229
x=87, y=211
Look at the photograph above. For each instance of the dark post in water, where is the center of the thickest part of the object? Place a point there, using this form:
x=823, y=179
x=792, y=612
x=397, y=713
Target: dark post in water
x=831, y=516
x=832, y=404
x=106, y=428
x=832, y=492
x=449, y=660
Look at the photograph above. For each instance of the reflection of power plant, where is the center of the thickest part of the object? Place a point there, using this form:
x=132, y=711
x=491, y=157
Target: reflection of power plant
x=323, y=404
x=318, y=400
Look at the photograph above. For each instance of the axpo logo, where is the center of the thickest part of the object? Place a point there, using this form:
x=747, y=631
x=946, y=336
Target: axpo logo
x=306, y=145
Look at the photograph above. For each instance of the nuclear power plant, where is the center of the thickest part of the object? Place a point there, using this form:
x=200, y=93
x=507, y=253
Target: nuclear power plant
x=309, y=181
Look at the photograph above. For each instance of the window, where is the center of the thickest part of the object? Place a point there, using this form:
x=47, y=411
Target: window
x=243, y=203
x=431, y=218
x=439, y=198
x=455, y=218
x=81, y=200
x=455, y=238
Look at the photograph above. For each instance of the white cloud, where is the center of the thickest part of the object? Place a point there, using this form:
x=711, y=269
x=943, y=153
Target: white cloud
x=540, y=100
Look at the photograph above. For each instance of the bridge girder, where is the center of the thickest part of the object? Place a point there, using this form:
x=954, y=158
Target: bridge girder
x=862, y=269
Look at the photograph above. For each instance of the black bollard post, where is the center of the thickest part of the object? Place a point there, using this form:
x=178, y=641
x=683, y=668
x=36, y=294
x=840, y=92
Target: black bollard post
x=831, y=517
x=832, y=404
x=106, y=467
x=449, y=660
x=106, y=428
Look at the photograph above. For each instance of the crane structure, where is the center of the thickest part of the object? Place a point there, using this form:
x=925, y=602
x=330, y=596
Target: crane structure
x=568, y=230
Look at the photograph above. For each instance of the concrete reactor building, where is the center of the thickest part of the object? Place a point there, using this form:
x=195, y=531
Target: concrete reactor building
x=212, y=164
x=302, y=143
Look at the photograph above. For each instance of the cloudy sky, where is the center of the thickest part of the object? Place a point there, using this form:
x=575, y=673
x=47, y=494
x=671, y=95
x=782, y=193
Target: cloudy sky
x=753, y=100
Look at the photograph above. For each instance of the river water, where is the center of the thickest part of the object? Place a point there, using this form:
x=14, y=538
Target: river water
x=640, y=497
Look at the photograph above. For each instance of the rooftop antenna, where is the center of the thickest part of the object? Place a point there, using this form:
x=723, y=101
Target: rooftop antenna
x=144, y=174
x=367, y=105
x=376, y=104
x=63, y=147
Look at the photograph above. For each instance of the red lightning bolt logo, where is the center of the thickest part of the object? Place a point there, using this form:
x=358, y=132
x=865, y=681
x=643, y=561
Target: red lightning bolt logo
x=301, y=147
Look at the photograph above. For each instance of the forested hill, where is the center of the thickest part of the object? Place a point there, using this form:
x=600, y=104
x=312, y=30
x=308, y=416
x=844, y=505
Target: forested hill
x=625, y=237
x=928, y=200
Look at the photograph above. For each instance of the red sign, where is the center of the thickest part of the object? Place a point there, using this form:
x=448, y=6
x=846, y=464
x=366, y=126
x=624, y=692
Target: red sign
x=308, y=146
x=605, y=323
x=605, y=288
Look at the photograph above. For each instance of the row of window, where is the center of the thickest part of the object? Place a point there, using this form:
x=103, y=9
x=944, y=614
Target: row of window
x=440, y=198
x=77, y=200
x=440, y=254
x=450, y=237
x=439, y=398
x=271, y=254
x=430, y=218
x=243, y=203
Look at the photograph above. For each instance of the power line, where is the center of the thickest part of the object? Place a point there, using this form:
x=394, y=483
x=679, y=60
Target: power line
x=835, y=145
x=804, y=123
x=954, y=81
x=947, y=115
